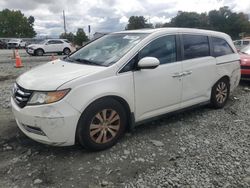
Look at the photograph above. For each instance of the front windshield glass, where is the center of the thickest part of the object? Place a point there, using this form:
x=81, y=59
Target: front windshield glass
x=107, y=49
x=42, y=42
x=246, y=50
x=14, y=40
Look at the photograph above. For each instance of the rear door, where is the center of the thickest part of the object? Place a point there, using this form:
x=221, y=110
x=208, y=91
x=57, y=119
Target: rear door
x=199, y=69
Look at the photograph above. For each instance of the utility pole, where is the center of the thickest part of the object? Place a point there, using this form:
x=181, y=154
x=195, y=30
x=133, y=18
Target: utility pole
x=64, y=23
x=89, y=30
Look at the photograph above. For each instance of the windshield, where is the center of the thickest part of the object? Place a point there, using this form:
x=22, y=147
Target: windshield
x=14, y=40
x=246, y=50
x=107, y=49
x=42, y=42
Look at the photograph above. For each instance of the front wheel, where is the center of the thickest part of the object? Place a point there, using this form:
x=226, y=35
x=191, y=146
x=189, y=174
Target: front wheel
x=66, y=51
x=39, y=52
x=220, y=93
x=101, y=125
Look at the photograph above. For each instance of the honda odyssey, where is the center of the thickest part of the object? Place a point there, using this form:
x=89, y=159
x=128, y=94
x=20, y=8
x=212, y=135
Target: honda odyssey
x=110, y=85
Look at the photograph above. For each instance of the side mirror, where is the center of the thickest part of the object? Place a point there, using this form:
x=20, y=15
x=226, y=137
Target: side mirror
x=148, y=63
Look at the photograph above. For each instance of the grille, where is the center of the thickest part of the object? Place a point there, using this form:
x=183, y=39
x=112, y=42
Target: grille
x=21, y=95
x=34, y=130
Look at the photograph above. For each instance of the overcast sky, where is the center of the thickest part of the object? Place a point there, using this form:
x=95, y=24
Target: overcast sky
x=109, y=15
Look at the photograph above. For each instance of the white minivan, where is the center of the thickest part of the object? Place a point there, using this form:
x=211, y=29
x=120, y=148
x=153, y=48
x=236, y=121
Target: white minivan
x=120, y=80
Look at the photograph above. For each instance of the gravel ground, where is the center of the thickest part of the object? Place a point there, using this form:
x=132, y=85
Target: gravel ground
x=197, y=148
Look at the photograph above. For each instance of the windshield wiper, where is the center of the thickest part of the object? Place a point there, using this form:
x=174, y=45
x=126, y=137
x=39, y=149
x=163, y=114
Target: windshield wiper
x=69, y=59
x=88, y=62
x=82, y=61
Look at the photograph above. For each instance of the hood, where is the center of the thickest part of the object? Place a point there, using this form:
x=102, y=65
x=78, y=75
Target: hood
x=51, y=75
x=14, y=41
x=34, y=45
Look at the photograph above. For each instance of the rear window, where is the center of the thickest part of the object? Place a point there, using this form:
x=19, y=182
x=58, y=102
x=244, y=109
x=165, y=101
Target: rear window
x=221, y=47
x=195, y=46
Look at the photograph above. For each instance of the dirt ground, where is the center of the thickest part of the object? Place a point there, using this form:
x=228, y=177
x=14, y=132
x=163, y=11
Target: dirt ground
x=202, y=147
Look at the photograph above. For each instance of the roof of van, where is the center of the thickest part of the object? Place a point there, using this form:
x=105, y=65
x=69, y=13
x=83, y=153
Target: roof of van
x=175, y=30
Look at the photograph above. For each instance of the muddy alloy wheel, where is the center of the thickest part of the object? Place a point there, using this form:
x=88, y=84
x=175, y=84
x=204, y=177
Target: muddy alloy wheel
x=104, y=126
x=220, y=93
x=101, y=124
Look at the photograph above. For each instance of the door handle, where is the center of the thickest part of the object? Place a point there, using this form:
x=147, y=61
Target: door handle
x=177, y=75
x=186, y=73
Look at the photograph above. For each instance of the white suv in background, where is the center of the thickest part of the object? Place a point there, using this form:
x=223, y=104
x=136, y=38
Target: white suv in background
x=121, y=80
x=239, y=44
x=50, y=46
x=16, y=43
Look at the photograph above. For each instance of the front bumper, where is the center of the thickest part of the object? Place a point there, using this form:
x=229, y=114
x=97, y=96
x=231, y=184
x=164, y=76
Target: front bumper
x=53, y=124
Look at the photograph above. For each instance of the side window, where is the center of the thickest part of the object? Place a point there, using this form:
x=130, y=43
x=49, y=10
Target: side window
x=57, y=42
x=195, y=46
x=130, y=65
x=163, y=48
x=221, y=47
x=51, y=42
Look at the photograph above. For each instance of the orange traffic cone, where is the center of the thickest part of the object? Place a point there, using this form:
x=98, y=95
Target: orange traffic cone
x=18, y=60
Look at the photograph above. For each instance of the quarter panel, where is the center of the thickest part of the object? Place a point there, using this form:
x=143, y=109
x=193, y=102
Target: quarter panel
x=229, y=65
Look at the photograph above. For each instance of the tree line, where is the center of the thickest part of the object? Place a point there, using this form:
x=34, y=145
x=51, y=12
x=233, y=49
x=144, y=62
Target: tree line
x=13, y=23
x=225, y=20
x=77, y=39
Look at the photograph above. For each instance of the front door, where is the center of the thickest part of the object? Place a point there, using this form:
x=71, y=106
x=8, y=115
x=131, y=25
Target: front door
x=158, y=91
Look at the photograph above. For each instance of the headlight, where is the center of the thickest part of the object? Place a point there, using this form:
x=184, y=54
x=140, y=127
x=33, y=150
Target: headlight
x=40, y=97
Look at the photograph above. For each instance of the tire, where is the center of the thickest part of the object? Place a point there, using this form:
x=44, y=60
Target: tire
x=66, y=51
x=39, y=52
x=101, y=124
x=220, y=93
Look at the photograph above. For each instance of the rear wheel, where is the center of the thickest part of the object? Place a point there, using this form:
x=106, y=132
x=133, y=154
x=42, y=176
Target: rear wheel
x=101, y=125
x=220, y=93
